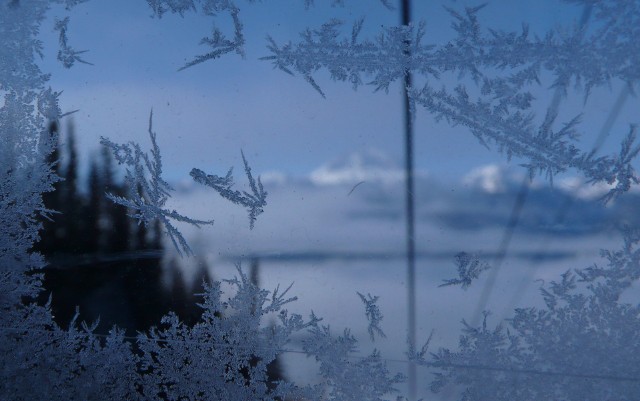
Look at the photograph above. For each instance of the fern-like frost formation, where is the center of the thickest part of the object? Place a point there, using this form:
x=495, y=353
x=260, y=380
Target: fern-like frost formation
x=148, y=195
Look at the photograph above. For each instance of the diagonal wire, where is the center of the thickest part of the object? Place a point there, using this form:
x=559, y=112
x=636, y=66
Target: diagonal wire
x=521, y=197
x=568, y=202
x=502, y=250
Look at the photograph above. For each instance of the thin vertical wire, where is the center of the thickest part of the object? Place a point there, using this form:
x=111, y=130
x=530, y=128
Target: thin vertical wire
x=410, y=208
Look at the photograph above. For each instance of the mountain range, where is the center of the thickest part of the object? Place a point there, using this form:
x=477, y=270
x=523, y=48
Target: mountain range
x=356, y=204
x=484, y=197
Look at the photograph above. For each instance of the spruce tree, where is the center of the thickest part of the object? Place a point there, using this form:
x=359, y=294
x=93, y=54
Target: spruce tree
x=71, y=201
x=49, y=241
x=93, y=210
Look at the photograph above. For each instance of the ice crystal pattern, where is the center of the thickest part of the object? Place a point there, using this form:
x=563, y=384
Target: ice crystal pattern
x=582, y=344
x=374, y=315
x=67, y=55
x=497, y=107
x=219, y=43
x=148, y=191
x=225, y=355
x=469, y=269
x=254, y=202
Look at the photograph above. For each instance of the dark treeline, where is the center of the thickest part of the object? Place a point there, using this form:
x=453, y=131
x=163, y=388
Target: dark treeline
x=88, y=223
x=99, y=259
x=103, y=263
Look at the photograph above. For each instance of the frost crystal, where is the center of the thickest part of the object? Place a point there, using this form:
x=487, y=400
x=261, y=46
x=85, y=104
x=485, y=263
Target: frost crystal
x=254, y=202
x=309, y=3
x=218, y=42
x=349, y=59
x=66, y=54
x=160, y=7
x=583, y=345
x=347, y=376
x=374, y=315
x=148, y=195
x=469, y=269
x=496, y=106
x=225, y=355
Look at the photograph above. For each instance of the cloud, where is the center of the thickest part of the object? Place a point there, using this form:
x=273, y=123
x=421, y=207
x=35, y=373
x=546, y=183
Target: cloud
x=495, y=178
x=370, y=165
x=320, y=215
x=583, y=190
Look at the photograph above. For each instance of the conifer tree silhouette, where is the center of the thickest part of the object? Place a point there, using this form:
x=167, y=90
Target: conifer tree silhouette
x=93, y=211
x=49, y=237
x=98, y=259
x=71, y=201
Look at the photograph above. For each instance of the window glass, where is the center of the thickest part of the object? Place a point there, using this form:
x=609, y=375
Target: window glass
x=268, y=141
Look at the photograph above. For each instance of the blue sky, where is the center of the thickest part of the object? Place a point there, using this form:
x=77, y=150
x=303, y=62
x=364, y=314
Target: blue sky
x=204, y=115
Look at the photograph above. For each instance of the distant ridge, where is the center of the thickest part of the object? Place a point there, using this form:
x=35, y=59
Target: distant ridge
x=314, y=255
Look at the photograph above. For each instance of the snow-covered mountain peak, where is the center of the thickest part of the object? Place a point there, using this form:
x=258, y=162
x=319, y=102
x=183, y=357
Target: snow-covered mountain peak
x=369, y=165
x=491, y=178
